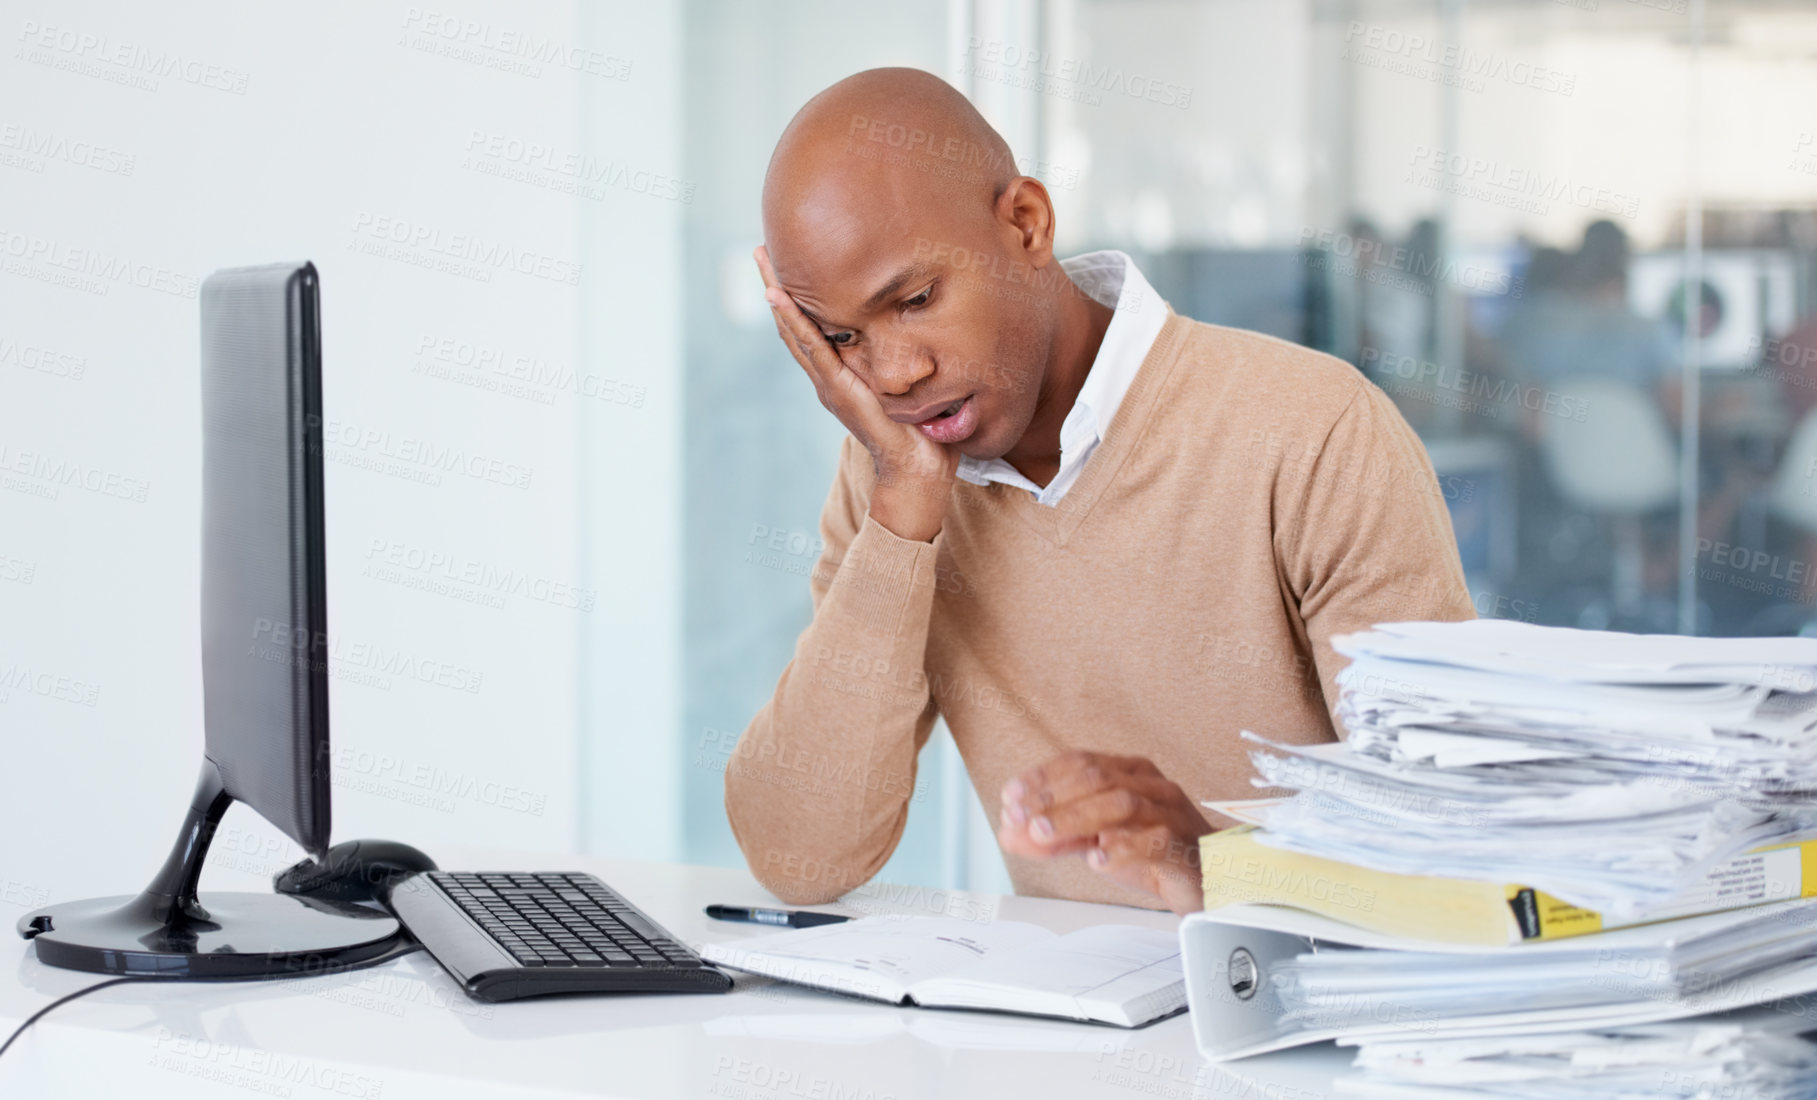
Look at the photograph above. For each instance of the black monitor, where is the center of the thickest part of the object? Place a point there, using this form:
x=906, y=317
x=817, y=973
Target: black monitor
x=264, y=666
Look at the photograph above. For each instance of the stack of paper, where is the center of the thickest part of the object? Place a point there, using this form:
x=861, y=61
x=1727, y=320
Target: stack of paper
x=1262, y=978
x=1610, y=770
x=1347, y=988
x=1752, y=1053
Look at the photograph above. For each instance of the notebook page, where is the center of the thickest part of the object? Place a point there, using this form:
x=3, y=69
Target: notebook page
x=878, y=957
x=1117, y=973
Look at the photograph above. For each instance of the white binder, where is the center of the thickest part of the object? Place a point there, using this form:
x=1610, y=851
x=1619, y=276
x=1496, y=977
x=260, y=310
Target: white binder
x=1229, y=956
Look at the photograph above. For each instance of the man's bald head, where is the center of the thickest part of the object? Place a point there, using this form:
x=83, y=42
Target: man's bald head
x=882, y=130
x=895, y=219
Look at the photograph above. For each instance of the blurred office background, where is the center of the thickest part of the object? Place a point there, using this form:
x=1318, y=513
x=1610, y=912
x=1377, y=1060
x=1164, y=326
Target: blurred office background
x=1575, y=241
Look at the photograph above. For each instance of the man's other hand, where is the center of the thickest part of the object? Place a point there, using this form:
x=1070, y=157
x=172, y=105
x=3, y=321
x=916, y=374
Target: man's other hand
x=1130, y=823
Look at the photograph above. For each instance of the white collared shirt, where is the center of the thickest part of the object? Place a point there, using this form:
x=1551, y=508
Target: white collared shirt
x=1111, y=278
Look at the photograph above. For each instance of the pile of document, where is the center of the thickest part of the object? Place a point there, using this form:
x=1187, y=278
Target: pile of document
x=1262, y=977
x=1347, y=988
x=1608, y=770
x=1754, y=1053
x=1657, y=782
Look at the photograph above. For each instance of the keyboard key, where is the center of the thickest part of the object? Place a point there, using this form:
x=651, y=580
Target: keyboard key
x=642, y=927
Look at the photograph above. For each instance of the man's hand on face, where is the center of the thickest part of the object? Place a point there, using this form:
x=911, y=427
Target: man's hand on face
x=1130, y=822
x=914, y=474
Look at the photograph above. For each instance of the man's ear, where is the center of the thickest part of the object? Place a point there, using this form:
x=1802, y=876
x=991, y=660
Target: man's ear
x=1026, y=208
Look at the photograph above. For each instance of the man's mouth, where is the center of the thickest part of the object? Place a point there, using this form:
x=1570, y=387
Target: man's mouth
x=946, y=412
x=953, y=423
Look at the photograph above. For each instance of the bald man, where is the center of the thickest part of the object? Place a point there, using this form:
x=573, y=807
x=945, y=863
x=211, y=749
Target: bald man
x=1098, y=537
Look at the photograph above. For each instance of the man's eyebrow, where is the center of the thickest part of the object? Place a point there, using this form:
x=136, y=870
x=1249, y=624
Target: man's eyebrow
x=898, y=281
x=910, y=274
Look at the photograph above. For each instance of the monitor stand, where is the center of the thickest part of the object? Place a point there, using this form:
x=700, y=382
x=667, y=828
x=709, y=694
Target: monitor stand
x=171, y=931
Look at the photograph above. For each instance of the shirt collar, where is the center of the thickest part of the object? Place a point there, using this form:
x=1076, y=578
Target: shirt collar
x=1110, y=277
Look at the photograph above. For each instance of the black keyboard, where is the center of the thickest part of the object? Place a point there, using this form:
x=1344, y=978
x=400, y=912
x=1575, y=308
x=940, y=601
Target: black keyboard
x=504, y=935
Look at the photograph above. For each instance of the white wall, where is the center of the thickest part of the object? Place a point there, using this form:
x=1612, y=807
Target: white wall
x=339, y=123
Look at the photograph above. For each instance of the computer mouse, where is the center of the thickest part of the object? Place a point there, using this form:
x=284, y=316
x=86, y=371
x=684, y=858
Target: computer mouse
x=353, y=870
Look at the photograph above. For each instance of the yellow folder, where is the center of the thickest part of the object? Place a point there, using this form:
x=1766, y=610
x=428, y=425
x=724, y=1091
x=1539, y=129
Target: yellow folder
x=1237, y=868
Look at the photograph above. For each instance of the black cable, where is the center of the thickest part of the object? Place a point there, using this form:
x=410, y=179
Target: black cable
x=406, y=946
x=34, y=1017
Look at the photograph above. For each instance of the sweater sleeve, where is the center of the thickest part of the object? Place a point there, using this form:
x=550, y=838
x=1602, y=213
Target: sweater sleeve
x=1366, y=535
x=817, y=791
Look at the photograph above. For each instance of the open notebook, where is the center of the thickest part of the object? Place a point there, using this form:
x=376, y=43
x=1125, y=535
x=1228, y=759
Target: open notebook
x=1119, y=974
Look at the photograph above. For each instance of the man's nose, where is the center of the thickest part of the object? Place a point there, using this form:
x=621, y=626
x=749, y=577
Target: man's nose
x=896, y=366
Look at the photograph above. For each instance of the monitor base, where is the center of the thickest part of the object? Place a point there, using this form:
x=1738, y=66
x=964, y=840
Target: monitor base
x=169, y=930
x=223, y=935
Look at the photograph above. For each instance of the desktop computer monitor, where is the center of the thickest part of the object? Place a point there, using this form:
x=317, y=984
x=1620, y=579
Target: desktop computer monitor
x=264, y=666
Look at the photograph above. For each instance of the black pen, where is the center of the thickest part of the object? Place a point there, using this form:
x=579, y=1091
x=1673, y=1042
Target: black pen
x=791, y=918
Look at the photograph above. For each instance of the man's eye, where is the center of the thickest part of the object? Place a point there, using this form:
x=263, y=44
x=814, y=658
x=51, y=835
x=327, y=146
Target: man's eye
x=840, y=339
x=919, y=299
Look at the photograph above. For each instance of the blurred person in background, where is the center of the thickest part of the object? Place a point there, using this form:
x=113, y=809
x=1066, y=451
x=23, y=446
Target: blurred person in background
x=1575, y=334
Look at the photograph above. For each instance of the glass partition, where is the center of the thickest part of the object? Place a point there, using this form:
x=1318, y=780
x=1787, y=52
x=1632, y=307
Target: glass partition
x=1492, y=209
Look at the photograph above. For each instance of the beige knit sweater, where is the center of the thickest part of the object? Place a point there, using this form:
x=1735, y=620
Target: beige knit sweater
x=1250, y=499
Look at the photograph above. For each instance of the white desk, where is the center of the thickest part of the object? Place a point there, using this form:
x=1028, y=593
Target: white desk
x=404, y=1030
